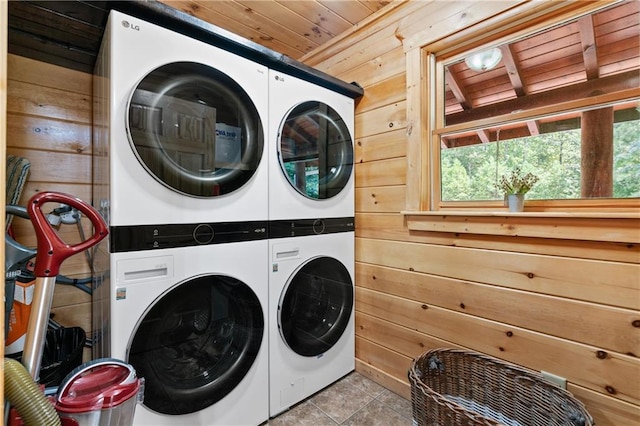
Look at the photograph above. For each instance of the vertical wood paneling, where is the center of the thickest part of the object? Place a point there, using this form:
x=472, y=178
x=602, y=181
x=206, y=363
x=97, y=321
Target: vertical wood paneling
x=417, y=130
x=3, y=153
x=434, y=288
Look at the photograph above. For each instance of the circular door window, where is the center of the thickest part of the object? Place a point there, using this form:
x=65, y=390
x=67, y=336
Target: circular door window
x=195, y=130
x=316, y=150
x=316, y=306
x=196, y=343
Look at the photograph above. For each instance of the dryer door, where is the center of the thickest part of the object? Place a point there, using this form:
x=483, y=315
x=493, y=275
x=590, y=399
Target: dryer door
x=194, y=129
x=315, y=150
x=315, y=306
x=196, y=343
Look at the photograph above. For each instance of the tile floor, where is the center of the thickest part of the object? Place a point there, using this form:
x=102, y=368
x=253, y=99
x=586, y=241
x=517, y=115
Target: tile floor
x=354, y=401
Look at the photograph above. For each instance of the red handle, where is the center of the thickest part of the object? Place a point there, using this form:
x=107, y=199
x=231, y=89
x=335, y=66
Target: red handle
x=52, y=251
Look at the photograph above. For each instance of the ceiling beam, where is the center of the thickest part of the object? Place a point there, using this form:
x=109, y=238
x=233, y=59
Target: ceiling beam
x=589, y=49
x=484, y=136
x=457, y=89
x=534, y=129
x=513, y=70
x=515, y=75
x=628, y=80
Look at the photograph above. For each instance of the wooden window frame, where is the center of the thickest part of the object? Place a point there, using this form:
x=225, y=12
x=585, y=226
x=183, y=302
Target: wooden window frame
x=423, y=119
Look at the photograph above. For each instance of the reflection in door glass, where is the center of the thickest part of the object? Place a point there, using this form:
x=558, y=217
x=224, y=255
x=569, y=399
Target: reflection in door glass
x=316, y=150
x=316, y=306
x=195, y=129
x=197, y=343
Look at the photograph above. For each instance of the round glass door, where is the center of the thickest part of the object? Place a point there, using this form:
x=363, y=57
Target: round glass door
x=195, y=130
x=196, y=343
x=315, y=306
x=316, y=150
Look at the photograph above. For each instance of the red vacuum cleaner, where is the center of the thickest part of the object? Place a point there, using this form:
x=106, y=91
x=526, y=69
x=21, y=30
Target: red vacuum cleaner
x=100, y=392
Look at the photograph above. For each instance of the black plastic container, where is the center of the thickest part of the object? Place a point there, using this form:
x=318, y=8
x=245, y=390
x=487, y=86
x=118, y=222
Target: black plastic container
x=62, y=353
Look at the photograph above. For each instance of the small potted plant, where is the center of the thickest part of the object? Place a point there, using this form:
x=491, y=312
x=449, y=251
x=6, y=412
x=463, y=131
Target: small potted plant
x=514, y=186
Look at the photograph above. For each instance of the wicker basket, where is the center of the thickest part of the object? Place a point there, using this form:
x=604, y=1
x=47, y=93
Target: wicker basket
x=456, y=387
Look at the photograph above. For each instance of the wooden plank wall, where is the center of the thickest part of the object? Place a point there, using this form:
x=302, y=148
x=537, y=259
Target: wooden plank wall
x=49, y=120
x=419, y=290
x=3, y=144
x=414, y=290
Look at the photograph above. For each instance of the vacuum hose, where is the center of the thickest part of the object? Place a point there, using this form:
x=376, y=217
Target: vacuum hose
x=27, y=398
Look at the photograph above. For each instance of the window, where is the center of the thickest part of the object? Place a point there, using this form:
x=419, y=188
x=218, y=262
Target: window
x=550, y=148
x=559, y=98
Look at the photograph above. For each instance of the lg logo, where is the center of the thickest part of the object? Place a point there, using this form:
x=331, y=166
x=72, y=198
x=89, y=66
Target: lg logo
x=126, y=24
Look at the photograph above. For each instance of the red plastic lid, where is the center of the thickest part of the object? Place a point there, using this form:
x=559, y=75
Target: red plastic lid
x=97, y=388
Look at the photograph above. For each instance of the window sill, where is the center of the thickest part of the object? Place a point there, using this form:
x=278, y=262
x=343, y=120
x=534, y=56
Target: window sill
x=620, y=227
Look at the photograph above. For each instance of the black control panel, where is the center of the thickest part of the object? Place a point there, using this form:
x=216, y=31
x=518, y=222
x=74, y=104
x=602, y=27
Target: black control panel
x=165, y=236
x=152, y=237
x=302, y=227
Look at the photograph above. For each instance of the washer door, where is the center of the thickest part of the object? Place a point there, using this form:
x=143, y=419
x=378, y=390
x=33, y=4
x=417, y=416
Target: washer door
x=315, y=150
x=315, y=306
x=196, y=343
x=194, y=129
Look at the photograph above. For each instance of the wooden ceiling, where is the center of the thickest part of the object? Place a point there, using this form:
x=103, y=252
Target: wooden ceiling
x=289, y=27
x=68, y=33
x=594, y=53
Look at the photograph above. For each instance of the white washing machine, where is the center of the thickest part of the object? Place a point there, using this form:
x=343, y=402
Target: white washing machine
x=179, y=129
x=192, y=321
x=311, y=133
x=311, y=315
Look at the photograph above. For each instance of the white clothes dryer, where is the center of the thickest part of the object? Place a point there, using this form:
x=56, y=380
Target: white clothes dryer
x=179, y=129
x=311, y=155
x=192, y=321
x=311, y=315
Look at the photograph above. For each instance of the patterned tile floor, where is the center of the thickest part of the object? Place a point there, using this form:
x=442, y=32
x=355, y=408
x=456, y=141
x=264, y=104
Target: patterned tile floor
x=354, y=401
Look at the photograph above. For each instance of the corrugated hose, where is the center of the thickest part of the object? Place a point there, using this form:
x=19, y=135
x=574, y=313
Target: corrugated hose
x=26, y=397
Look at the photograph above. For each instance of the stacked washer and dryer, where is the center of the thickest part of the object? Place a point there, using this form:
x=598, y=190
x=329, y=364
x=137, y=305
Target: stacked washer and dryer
x=180, y=177
x=227, y=280
x=311, y=239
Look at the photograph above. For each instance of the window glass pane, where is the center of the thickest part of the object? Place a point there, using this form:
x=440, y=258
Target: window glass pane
x=470, y=170
x=597, y=53
x=562, y=103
